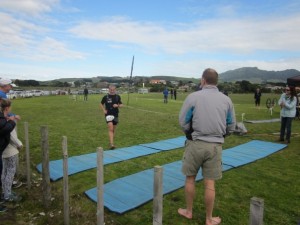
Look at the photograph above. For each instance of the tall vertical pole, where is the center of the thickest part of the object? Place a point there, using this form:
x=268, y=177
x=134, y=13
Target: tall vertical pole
x=130, y=80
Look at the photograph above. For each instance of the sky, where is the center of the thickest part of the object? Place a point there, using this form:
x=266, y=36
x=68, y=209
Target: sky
x=51, y=39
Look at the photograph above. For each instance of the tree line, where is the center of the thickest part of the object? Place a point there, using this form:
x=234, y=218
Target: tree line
x=243, y=86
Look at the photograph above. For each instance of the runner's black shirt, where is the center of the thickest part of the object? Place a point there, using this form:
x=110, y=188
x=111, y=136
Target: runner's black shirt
x=109, y=101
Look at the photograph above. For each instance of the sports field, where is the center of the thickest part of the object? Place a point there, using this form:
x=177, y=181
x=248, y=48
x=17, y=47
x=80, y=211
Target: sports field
x=146, y=119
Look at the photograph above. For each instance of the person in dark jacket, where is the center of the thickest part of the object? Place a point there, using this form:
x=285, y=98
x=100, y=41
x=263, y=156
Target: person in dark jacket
x=86, y=93
x=6, y=127
x=257, y=96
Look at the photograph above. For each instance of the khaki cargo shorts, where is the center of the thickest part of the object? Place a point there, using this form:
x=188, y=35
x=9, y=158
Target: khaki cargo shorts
x=200, y=154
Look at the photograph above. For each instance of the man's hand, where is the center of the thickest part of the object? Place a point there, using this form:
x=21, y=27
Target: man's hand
x=17, y=117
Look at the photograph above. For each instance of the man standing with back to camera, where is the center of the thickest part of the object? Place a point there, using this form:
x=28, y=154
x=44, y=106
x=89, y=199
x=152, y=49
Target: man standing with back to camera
x=110, y=105
x=211, y=113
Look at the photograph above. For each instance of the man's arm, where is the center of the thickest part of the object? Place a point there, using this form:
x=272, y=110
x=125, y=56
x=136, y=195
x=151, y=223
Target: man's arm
x=102, y=107
x=231, y=120
x=119, y=102
x=6, y=126
x=186, y=115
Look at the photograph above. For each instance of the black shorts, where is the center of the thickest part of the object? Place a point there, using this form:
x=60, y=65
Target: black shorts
x=115, y=121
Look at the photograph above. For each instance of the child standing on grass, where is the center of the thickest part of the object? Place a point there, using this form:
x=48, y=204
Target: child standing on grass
x=9, y=159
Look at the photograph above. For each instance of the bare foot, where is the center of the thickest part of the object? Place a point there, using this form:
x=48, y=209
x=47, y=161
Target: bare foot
x=185, y=213
x=213, y=221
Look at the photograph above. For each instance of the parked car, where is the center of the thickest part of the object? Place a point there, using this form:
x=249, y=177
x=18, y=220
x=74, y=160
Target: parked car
x=46, y=93
x=74, y=92
x=11, y=95
x=27, y=94
x=37, y=93
x=104, y=91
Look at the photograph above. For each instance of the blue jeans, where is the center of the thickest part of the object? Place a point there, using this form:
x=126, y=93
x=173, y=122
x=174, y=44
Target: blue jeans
x=286, y=124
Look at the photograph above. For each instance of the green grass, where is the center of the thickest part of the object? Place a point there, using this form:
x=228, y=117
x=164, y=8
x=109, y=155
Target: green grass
x=276, y=178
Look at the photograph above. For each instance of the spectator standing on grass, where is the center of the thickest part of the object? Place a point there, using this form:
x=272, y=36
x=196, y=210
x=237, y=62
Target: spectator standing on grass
x=175, y=94
x=7, y=125
x=166, y=93
x=5, y=86
x=257, y=96
x=211, y=114
x=287, y=102
x=9, y=158
x=85, y=93
x=110, y=105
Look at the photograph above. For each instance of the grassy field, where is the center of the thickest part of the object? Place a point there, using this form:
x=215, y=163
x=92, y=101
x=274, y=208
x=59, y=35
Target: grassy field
x=276, y=178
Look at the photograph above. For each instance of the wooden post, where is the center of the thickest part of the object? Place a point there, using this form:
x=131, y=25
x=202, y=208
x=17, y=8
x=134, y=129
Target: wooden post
x=158, y=195
x=256, y=211
x=46, y=189
x=100, y=186
x=28, y=170
x=18, y=174
x=66, y=181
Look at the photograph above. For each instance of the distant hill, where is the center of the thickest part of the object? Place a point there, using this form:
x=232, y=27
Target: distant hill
x=255, y=75
x=173, y=78
x=251, y=74
x=118, y=79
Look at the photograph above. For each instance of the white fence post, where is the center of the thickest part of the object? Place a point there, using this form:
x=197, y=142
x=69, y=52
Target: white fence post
x=158, y=195
x=256, y=211
x=66, y=181
x=28, y=170
x=100, y=186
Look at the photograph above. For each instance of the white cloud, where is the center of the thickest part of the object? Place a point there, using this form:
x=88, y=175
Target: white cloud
x=233, y=35
x=26, y=40
x=29, y=7
x=50, y=49
x=15, y=34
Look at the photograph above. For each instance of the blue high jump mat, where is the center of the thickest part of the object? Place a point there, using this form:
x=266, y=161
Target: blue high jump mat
x=249, y=152
x=84, y=162
x=127, y=193
x=168, y=144
x=134, y=190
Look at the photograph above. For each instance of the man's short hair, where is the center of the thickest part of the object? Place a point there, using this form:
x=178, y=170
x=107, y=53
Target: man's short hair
x=210, y=76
